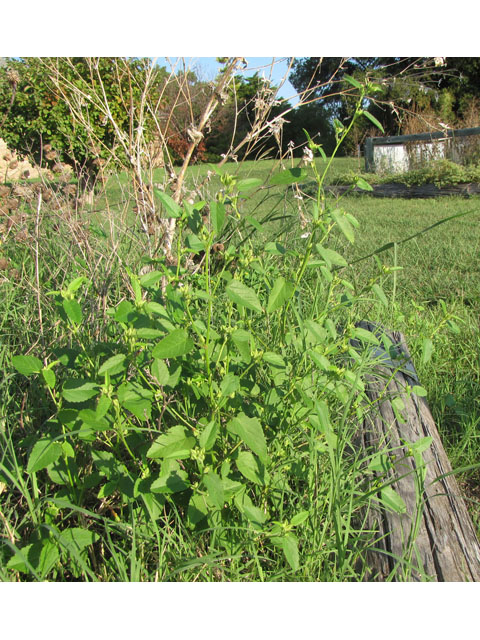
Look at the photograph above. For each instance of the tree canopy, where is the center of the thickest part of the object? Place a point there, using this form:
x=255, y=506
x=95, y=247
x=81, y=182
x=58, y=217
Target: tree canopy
x=444, y=86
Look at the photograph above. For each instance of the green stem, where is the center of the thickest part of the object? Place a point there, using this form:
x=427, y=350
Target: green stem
x=209, y=321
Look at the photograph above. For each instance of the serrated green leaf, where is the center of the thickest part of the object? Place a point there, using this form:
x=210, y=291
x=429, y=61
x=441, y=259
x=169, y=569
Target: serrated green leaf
x=327, y=274
x=255, y=223
x=151, y=278
x=208, y=436
x=353, y=221
x=45, y=452
x=27, y=365
x=75, y=390
x=361, y=183
x=343, y=224
x=112, y=366
x=172, y=208
x=175, y=344
x=246, y=507
x=170, y=480
x=140, y=407
x=214, y=486
x=250, y=468
x=330, y=327
x=62, y=471
x=277, y=367
x=76, y=284
x=323, y=416
x=174, y=377
x=324, y=425
x=282, y=291
x=133, y=391
x=254, y=514
x=18, y=562
x=243, y=340
x=392, y=500
x=339, y=127
x=289, y=176
x=92, y=420
x=373, y=120
x=249, y=183
x=124, y=311
x=194, y=244
x=331, y=257
x=380, y=462
x=106, y=463
x=275, y=248
x=299, y=518
x=217, y=216
x=68, y=417
x=103, y=405
x=77, y=539
x=73, y=310
x=290, y=549
x=107, y=489
x=147, y=333
x=316, y=333
x=365, y=336
x=355, y=380
x=156, y=308
x=453, y=326
x=320, y=360
x=419, y=391
x=175, y=443
x=230, y=384
x=159, y=371
x=176, y=451
x=251, y=432
x=42, y=556
x=197, y=509
x=427, y=348
x=49, y=377
x=68, y=450
x=274, y=360
x=398, y=404
x=355, y=83
x=378, y=291
x=422, y=444
x=243, y=295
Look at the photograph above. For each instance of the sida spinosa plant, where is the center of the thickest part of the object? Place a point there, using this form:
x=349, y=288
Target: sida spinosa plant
x=222, y=401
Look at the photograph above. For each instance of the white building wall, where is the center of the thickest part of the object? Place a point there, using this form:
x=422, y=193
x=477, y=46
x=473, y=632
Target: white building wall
x=399, y=158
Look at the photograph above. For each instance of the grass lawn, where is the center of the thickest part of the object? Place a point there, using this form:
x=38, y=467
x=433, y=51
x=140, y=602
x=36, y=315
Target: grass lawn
x=439, y=266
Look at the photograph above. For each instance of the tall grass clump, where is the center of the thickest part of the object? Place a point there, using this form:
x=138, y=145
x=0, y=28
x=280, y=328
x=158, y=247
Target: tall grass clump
x=189, y=413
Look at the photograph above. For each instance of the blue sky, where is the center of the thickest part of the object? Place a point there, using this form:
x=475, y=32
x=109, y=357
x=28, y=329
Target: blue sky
x=273, y=68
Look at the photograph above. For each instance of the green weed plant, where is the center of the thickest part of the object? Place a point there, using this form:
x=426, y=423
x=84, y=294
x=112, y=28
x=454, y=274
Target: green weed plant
x=207, y=431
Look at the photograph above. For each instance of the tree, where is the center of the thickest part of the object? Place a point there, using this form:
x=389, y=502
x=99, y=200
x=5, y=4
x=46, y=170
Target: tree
x=441, y=87
x=36, y=119
x=314, y=119
x=183, y=100
x=246, y=103
x=323, y=78
x=462, y=78
x=252, y=100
